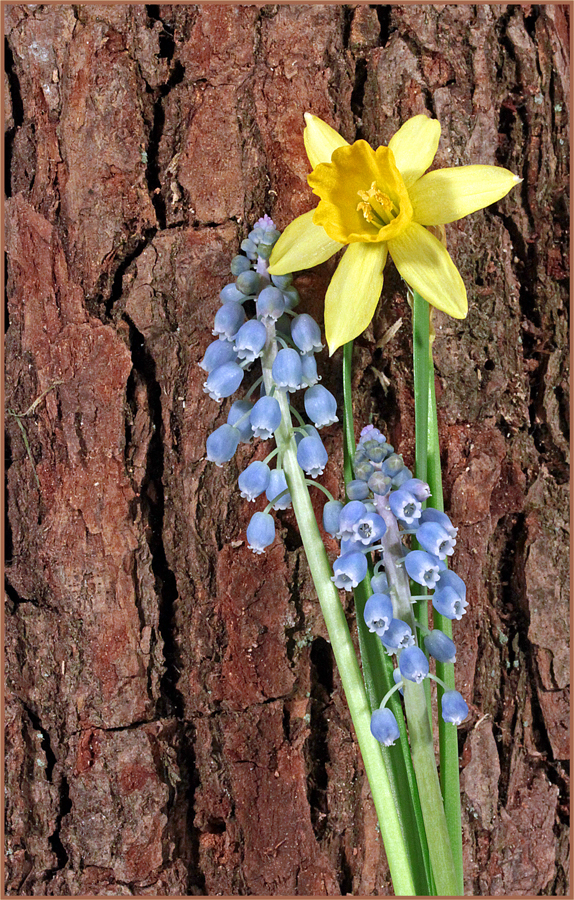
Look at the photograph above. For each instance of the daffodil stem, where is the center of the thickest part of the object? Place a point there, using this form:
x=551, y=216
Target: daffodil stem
x=428, y=468
x=378, y=676
x=341, y=642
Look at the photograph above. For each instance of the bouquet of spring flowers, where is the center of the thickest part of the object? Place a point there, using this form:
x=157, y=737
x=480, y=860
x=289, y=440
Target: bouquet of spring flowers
x=395, y=539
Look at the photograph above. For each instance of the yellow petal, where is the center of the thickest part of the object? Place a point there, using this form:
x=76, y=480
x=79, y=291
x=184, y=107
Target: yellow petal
x=341, y=183
x=426, y=266
x=320, y=140
x=354, y=292
x=301, y=246
x=446, y=195
x=414, y=147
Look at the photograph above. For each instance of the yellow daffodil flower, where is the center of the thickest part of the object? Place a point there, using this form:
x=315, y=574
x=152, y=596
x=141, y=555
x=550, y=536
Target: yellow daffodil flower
x=378, y=202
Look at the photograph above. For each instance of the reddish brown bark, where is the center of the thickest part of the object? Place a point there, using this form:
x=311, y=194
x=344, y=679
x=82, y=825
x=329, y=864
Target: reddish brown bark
x=174, y=724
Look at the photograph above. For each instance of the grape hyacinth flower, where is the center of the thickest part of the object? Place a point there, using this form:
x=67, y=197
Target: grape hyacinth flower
x=413, y=664
x=331, y=515
x=260, y=531
x=254, y=480
x=238, y=415
x=440, y=646
x=222, y=444
x=384, y=727
x=320, y=405
x=378, y=613
x=265, y=417
x=350, y=569
x=228, y=320
x=312, y=456
x=278, y=485
x=253, y=307
x=218, y=353
x=223, y=381
x=454, y=708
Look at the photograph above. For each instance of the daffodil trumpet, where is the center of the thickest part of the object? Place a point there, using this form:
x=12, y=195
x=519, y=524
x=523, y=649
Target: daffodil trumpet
x=380, y=202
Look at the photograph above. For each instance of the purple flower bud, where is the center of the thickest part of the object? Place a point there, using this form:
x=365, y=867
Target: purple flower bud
x=401, y=477
x=230, y=293
x=306, y=334
x=286, y=370
x=248, y=282
x=331, y=514
x=378, y=613
x=384, y=727
x=250, y=340
x=433, y=538
x=349, y=569
x=265, y=417
x=380, y=583
x=320, y=405
x=223, y=381
x=228, y=320
x=418, y=489
x=312, y=456
x=254, y=480
x=270, y=304
x=357, y=490
x=434, y=515
x=392, y=465
x=363, y=470
x=218, y=353
x=282, y=281
x=370, y=433
x=454, y=708
x=309, y=368
x=405, y=506
x=379, y=484
x=250, y=248
x=222, y=444
x=239, y=264
x=278, y=484
x=260, y=531
x=440, y=646
x=422, y=568
x=240, y=410
x=398, y=636
x=375, y=450
x=291, y=297
x=350, y=514
x=413, y=664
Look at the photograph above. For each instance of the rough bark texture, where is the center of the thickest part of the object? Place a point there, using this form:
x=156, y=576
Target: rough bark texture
x=174, y=724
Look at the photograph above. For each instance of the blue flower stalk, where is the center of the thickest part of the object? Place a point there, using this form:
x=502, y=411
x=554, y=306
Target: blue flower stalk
x=287, y=358
x=391, y=507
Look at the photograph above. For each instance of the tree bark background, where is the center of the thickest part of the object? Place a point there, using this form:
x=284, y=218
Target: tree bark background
x=174, y=723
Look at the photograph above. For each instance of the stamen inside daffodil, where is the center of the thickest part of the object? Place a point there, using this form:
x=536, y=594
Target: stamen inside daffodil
x=384, y=210
x=376, y=207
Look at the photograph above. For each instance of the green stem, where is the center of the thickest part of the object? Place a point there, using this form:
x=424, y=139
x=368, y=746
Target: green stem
x=428, y=468
x=448, y=737
x=377, y=669
x=342, y=646
x=420, y=731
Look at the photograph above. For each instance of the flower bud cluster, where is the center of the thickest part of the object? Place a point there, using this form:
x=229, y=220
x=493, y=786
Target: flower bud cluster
x=256, y=323
x=386, y=504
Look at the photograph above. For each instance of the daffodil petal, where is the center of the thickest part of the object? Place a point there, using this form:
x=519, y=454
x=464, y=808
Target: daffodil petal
x=446, y=195
x=301, y=246
x=320, y=140
x=414, y=147
x=426, y=266
x=354, y=292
